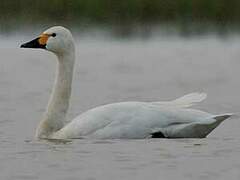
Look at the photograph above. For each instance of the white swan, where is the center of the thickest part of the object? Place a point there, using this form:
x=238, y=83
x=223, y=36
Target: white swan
x=171, y=119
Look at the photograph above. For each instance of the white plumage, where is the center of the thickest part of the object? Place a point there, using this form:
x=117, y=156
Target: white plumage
x=170, y=119
x=140, y=120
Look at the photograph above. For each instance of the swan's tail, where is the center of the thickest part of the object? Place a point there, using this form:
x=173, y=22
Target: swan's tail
x=207, y=128
x=184, y=101
x=198, y=129
x=220, y=118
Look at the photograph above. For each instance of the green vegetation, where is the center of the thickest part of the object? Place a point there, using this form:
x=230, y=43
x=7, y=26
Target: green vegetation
x=119, y=12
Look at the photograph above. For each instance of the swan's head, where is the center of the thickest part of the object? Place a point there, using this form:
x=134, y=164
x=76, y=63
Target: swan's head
x=56, y=39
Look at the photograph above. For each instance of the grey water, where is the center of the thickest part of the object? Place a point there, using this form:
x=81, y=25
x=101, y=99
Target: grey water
x=113, y=70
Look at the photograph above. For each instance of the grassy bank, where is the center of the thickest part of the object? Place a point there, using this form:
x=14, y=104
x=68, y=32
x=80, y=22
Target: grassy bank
x=119, y=13
x=113, y=11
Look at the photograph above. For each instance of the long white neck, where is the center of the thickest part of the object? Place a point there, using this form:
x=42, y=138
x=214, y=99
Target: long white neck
x=54, y=118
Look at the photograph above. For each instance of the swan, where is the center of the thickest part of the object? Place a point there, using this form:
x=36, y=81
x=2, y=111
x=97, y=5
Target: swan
x=124, y=120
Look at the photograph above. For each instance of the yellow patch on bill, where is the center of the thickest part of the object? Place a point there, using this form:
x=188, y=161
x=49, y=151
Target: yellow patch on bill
x=43, y=39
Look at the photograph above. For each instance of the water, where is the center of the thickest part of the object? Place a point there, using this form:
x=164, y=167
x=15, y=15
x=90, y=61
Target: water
x=158, y=68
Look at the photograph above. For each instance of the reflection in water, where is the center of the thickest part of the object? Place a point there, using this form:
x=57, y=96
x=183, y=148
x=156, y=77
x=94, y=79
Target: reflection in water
x=58, y=141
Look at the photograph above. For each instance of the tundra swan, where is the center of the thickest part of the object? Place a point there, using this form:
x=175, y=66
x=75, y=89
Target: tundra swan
x=173, y=119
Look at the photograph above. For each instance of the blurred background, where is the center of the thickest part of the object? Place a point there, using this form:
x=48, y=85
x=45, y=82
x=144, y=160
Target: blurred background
x=123, y=18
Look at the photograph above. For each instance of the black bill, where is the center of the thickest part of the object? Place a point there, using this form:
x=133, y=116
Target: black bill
x=33, y=44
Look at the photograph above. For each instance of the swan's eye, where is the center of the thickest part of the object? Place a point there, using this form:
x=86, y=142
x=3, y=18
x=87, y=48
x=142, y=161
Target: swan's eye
x=53, y=34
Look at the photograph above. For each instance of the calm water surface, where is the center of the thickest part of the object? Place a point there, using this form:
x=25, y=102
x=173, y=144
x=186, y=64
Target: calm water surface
x=160, y=68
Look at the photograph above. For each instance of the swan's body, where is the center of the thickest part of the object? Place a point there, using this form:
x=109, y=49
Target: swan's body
x=171, y=119
x=140, y=120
